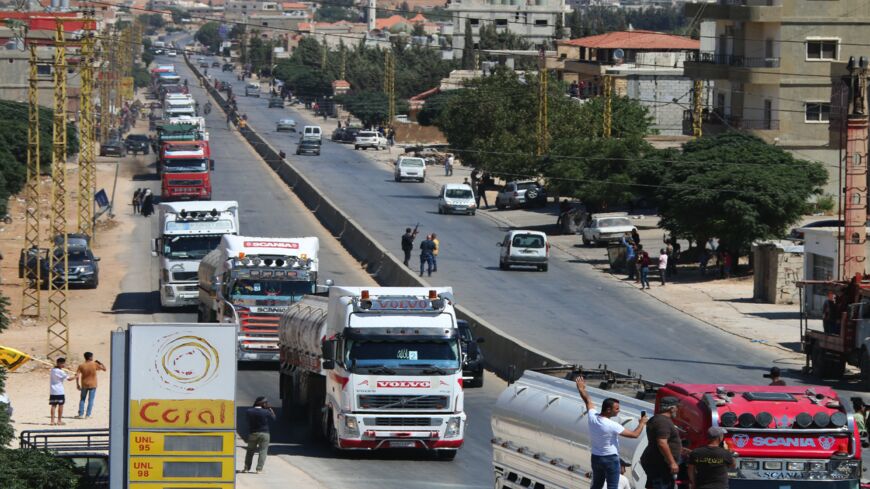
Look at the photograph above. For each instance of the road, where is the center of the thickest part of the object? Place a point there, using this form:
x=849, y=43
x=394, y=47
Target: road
x=571, y=311
x=269, y=209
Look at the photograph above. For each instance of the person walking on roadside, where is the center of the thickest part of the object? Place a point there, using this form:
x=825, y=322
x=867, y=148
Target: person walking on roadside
x=259, y=417
x=663, y=264
x=448, y=166
x=481, y=192
x=727, y=261
x=147, y=203
x=660, y=459
x=775, y=376
x=635, y=236
x=435, y=252
x=136, y=202
x=56, y=397
x=643, y=262
x=630, y=256
x=408, y=244
x=604, y=436
x=427, y=257
x=708, y=465
x=86, y=382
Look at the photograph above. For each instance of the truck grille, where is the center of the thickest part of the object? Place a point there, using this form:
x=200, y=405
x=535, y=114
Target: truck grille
x=402, y=402
x=400, y=422
x=185, y=183
x=259, y=323
x=184, y=276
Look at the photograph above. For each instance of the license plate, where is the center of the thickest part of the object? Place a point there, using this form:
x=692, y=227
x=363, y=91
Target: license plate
x=403, y=444
x=460, y=208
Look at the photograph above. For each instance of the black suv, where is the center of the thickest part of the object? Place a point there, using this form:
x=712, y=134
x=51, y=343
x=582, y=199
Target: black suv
x=472, y=357
x=227, y=67
x=138, y=143
x=114, y=147
x=82, y=265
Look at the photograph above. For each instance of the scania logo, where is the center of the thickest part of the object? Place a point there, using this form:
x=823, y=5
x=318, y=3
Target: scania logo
x=271, y=244
x=404, y=384
x=742, y=440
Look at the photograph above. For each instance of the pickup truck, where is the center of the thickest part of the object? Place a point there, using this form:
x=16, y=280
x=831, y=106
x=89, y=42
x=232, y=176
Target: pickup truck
x=87, y=449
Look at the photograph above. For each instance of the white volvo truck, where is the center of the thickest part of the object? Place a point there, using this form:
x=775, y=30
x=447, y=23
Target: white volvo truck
x=251, y=281
x=376, y=367
x=188, y=232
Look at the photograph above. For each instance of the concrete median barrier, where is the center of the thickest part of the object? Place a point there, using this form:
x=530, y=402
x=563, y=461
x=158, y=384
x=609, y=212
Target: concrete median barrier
x=505, y=355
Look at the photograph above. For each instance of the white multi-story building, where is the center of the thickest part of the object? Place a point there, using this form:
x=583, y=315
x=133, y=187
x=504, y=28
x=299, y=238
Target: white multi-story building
x=533, y=20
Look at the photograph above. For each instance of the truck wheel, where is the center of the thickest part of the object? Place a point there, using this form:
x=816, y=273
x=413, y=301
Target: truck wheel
x=446, y=455
x=824, y=367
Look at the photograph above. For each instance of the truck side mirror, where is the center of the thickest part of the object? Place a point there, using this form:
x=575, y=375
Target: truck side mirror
x=211, y=165
x=155, y=245
x=328, y=354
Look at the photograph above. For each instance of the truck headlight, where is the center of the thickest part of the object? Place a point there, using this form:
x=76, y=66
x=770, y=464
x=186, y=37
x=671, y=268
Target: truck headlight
x=165, y=274
x=453, y=425
x=350, y=426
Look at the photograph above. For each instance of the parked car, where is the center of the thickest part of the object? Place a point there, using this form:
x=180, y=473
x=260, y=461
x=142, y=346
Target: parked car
x=276, y=102
x=348, y=134
x=606, y=228
x=82, y=266
x=524, y=248
x=252, y=90
x=203, y=64
x=472, y=357
x=456, y=197
x=518, y=194
x=410, y=168
x=798, y=232
x=313, y=133
x=227, y=67
x=308, y=146
x=338, y=134
x=215, y=64
x=370, y=139
x=114, y=147
x=286, y=125
x=432, y=156
x=138, y=143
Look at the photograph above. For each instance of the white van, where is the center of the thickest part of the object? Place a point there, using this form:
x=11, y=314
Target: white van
x=312, y=132
x=410, y=168
x=524, y=248
x=456, y=197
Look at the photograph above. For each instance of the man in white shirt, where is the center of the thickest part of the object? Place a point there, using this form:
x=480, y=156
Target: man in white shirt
x=56, y=397
x=604, y=435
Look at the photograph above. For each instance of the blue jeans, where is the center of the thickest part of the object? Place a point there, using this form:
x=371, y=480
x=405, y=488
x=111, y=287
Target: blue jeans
x=605, y=468
x=644, y=276
x=88, y=394
x=429, y=261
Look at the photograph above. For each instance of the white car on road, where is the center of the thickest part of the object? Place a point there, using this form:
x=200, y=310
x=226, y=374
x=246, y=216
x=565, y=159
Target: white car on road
x=410, y=168
x=369, y=139
x=606, y=228
x=522, y=247
x=456, y=197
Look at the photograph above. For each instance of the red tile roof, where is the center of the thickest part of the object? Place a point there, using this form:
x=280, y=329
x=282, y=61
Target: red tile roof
x=418, y=18
x=636, y=39
x=389, y=22
x=294, y=6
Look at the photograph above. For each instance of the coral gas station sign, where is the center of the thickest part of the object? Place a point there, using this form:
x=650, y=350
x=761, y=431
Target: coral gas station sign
x=180, y=403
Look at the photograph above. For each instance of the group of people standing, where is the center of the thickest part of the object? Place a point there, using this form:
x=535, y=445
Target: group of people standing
x=143, y=202
x=429, y=248
x=638, y=261
x=707, y=466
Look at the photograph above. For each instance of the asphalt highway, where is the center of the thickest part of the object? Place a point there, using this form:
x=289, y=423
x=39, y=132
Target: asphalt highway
x=571, y=311
x=268, y=209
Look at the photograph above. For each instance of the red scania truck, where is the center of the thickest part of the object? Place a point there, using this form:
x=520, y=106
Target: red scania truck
x=184, y=167
x=795, y=437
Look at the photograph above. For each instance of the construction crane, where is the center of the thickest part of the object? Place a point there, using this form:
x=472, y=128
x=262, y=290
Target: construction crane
x=58, y=327
x=31, y=299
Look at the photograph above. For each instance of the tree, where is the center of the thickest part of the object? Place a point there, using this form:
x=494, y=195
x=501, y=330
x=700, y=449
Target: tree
x=331, y=13
x=178, y=15
x=369, y=107
x=433, y=107
x=737, y=188
x=468, y=48
x=208, y=35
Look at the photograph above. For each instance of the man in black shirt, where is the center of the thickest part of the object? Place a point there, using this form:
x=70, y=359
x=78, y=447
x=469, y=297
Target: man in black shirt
x=258, y=439
x=408, y=244
x=661, y=458
x=708, y=465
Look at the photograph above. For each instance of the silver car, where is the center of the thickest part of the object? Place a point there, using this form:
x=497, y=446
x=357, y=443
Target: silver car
x=286, y=125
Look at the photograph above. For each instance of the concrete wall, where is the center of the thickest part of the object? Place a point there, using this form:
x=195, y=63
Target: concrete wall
x=777, y=272
x=657, y=93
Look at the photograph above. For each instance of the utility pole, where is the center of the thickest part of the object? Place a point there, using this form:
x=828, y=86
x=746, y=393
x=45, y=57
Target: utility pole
x=855, y=187
x=608, y=104
x=87, y=153
x=343, y=70
x=115, y=68
x=58, y=281
x=31, y=303
x=543, y=129
x=390, y=85
x=697, y=108
x=105, y=95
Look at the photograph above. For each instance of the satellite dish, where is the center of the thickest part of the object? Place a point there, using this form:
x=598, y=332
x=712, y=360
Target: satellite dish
x=618, y=54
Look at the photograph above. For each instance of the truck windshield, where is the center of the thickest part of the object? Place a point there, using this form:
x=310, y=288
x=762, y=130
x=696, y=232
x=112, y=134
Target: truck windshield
x=184, y=164
x=271, y=288
x=443, y=354
x=190, y=247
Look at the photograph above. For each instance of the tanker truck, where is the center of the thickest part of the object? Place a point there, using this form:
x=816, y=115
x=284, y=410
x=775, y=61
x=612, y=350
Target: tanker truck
x=795, y=437
x=251, y=281
x=375, y=368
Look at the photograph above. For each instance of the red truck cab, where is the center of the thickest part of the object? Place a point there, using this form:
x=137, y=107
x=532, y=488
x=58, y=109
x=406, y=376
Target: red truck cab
x=795, y=436
x=184, y=167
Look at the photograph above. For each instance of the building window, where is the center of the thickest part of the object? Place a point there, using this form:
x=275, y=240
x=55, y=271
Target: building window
x=823, y=49
x=474, y=21
x=501, y=22
x=817, y=112
x=541, y=22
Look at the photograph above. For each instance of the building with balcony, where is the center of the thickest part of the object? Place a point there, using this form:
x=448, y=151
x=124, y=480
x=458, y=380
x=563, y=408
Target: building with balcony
x=644, y=65
x=776, y=67
x=533, y=20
